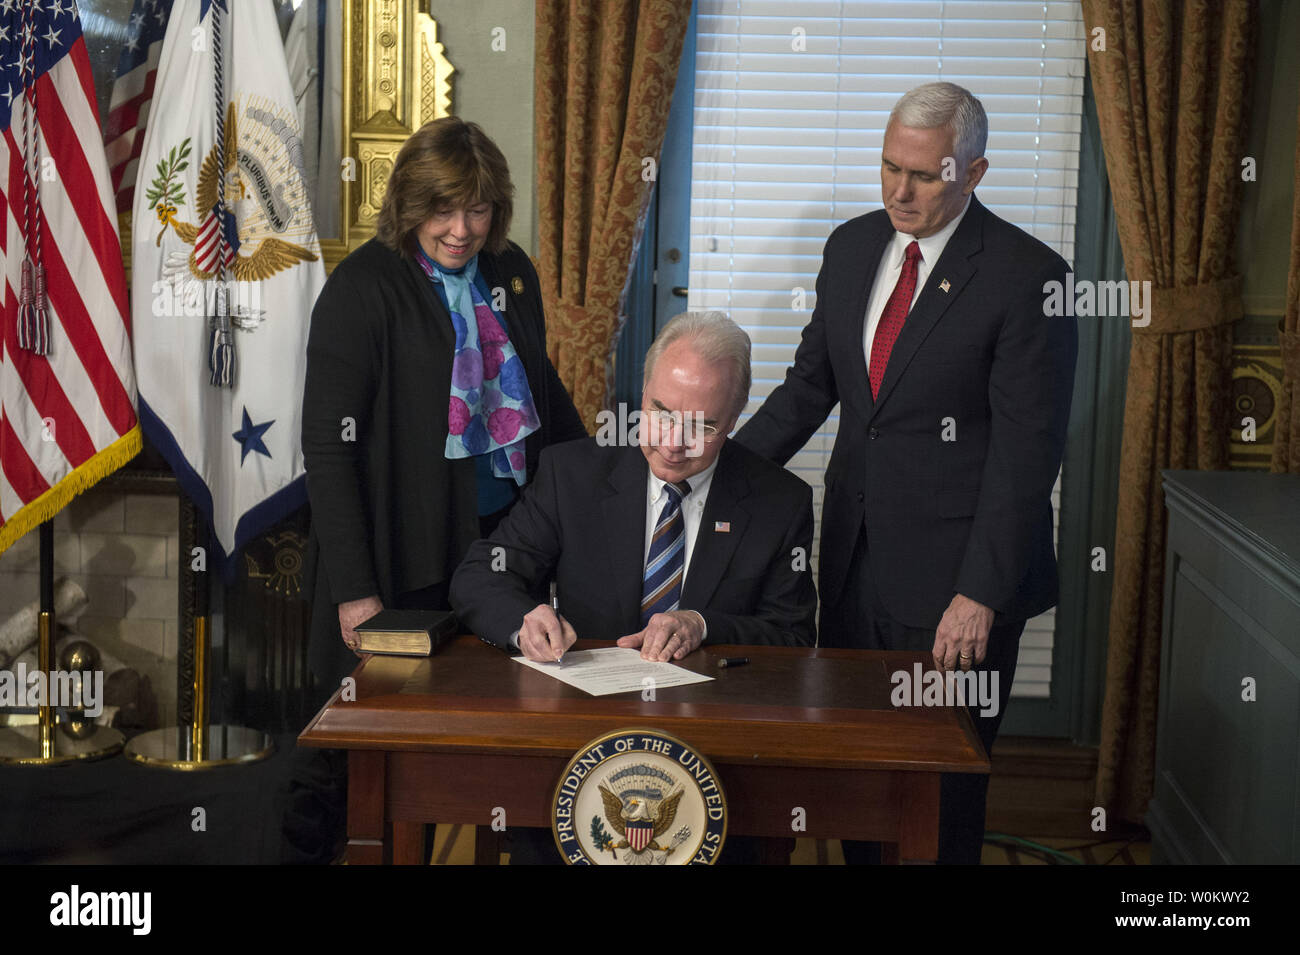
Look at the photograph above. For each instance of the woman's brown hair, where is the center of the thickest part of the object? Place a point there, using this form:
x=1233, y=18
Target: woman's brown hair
x=446, y=162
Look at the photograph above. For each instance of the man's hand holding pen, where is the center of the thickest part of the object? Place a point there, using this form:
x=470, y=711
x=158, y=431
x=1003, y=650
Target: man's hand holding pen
x=545, y=635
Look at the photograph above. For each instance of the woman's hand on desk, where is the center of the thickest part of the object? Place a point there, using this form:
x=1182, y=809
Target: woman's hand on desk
x=354, y=612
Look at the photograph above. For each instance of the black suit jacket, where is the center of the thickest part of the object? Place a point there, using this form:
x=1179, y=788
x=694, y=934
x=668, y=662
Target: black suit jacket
x=971, y=515
x=390, y=512
x=582, y=520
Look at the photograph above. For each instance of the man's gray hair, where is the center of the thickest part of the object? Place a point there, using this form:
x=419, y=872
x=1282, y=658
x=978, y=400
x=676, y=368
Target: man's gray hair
x=715, y=338
x=946, y=104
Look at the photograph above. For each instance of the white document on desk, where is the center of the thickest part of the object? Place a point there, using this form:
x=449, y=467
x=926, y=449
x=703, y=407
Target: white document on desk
x=614, y=670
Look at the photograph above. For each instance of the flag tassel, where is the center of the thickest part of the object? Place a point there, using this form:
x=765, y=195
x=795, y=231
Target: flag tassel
x=26, y=307
x=33, y=320
x=221, y=345
x=41, y=318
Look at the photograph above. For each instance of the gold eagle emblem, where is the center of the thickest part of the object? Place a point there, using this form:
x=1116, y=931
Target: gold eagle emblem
x=619, y=811
x=272, y=254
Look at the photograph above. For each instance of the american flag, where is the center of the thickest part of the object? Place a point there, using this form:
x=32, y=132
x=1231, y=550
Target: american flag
x=67, y=415
x=128, y=110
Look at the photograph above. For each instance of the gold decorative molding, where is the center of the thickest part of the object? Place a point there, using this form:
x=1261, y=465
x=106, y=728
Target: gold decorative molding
x=435, y=71
x=396, y=77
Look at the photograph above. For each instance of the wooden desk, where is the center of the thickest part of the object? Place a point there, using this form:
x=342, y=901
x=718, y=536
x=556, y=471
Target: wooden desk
x=455, y=737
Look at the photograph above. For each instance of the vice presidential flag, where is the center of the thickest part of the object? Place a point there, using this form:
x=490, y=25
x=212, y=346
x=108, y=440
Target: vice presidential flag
x=222, y=299
x=67, y=391
x=128, y=109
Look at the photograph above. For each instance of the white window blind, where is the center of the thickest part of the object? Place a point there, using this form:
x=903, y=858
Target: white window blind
x=791, y=101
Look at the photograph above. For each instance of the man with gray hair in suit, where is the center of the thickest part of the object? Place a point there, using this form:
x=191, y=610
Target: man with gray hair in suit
x=954, y=385
x=681, y=535
x=661, y=541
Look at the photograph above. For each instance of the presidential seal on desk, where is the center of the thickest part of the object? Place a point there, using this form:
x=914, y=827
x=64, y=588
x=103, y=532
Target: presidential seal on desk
x=639, y=797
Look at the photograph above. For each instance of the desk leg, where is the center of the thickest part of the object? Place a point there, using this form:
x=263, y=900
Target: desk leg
x=487, y=846
x=918, y=835
x=368, y=842
x=774, y=851
x=408, y=843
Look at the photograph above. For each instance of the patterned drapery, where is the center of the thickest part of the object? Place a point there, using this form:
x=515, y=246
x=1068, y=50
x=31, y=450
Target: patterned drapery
x=1172, y=81
x=604, y=81
x=1286, y=443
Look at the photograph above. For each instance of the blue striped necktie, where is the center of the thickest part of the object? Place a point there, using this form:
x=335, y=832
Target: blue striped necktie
x=662, y=581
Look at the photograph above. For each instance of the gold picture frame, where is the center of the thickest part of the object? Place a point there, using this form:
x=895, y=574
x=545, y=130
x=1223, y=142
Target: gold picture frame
x=395, y=78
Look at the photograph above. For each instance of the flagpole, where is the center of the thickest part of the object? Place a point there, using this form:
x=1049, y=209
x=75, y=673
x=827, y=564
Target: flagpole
x=49, y=740
x=196, y=743
x=199, y=717
x=45, y=634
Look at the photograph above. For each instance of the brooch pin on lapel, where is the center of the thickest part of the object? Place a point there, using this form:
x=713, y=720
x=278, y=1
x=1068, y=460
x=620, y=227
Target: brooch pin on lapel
x=722, y=527
x=944, y=285
x=517, y=285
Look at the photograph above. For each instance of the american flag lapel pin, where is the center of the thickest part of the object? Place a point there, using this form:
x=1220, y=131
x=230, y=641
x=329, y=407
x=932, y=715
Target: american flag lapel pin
x=944, y=285
x=722, y=527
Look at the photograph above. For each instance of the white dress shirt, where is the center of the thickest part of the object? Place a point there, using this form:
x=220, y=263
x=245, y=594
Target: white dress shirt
x=692, y=510
x=891, y=267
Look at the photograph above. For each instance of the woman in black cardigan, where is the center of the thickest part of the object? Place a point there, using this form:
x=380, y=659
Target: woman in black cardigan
x=428, y=399
x=416, y=435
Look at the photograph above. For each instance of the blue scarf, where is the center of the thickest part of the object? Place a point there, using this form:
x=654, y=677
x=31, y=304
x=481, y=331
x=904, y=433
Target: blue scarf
x=490, y=409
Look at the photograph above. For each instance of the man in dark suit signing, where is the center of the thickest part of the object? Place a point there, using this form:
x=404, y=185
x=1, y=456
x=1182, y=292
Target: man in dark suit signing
x=662, y=539
x=954, y=392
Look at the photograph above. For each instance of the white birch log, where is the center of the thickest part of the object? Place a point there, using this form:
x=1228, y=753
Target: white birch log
x=19, y=631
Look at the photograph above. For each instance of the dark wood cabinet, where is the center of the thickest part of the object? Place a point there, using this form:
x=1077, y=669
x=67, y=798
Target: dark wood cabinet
x=1227, y=783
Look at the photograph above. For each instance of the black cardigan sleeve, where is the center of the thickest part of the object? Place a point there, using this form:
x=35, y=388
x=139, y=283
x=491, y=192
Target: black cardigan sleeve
x=338, y=400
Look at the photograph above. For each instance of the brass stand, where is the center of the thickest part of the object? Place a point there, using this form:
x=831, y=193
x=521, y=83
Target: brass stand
x=48, y=742
x=198, y=745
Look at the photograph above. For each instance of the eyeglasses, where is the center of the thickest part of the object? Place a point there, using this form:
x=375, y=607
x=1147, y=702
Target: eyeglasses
x=691, y=423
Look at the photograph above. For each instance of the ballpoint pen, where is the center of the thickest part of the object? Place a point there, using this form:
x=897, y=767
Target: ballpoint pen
x=555, y=605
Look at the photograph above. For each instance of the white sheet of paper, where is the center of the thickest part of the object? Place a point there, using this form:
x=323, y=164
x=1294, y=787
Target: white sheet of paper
x=614, y=670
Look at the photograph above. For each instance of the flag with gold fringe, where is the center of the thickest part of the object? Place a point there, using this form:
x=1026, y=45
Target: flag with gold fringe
x=67, y=388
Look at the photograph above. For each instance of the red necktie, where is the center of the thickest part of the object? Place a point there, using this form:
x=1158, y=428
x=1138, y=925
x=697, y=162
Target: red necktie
x=892, y=318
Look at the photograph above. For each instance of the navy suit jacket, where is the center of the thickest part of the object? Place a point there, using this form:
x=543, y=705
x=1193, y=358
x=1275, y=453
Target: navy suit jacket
x=978, y=362
x=582, y=521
